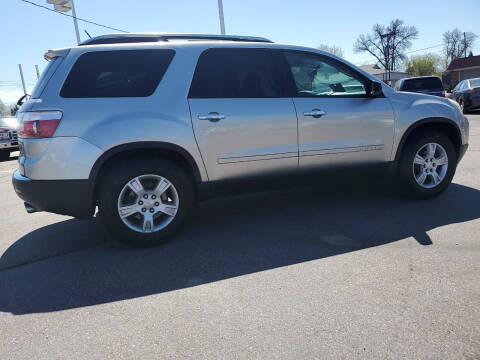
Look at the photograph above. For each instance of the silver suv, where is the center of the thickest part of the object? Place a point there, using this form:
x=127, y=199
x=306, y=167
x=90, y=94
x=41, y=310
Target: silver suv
x=139, y=124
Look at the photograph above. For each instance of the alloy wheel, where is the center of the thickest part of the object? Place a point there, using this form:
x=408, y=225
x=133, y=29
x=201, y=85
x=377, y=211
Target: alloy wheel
x=430, y=165
x=148, y=203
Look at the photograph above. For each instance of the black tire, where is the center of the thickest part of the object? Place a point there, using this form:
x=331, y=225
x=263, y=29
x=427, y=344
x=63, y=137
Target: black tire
x=4, y=155
x=113, y=183
x=406, y=163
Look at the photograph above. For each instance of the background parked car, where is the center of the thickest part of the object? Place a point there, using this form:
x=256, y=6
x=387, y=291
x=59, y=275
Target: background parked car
x=431, y=85
x=8, y=137
x=467, y=94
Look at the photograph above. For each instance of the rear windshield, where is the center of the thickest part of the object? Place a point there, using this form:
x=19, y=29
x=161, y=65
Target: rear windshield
x=120, y=73
x=475, y=83
x=432, y=83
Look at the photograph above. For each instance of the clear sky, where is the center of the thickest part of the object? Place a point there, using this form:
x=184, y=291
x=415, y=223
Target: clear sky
x=28, y=31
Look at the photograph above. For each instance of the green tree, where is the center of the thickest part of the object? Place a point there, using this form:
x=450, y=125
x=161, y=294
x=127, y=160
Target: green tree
x=428, y=64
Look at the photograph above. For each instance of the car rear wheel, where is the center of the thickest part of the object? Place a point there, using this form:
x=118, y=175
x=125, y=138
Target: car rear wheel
x=428, y=164
x=143, y=202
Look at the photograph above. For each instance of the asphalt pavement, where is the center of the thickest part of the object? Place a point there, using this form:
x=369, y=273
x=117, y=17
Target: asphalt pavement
x=349, y=268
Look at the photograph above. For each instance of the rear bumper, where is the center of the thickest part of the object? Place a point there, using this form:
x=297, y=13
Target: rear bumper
x=65, y=197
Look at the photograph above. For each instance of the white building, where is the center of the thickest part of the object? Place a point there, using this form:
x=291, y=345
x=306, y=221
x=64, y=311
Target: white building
x=382, y=74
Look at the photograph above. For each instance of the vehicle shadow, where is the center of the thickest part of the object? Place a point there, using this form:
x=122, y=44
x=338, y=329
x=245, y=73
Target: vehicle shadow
x=228, y=237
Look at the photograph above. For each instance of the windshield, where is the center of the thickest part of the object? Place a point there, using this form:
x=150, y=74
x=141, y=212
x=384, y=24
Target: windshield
x=433, y=83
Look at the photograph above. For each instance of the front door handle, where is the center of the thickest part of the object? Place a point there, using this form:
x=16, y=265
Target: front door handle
x=316, y=113
x=212, y=116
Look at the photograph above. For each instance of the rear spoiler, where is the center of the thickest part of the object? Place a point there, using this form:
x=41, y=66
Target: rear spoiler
x=52, y=54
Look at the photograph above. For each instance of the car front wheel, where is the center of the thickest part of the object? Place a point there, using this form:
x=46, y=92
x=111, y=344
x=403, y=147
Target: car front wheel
x=428, y=164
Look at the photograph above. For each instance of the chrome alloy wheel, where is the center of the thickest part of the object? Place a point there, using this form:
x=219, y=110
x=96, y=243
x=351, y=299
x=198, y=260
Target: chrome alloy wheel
x=430, y=165
x=148, y=203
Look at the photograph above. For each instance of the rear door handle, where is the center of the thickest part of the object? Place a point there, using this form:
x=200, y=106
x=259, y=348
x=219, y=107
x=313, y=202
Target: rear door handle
x=316, y=113
x=212, y=116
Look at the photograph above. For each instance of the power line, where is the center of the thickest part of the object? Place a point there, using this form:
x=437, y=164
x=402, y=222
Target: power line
x=80, y=19
x=430, y=47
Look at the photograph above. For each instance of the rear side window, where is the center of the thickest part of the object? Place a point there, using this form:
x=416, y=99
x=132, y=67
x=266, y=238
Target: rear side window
x=237, y=73
x=474, y=83
x=432, y=83
x=120, y=73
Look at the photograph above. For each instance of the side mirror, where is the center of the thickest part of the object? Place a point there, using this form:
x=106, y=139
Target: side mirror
x=23, y=99
x=375, y=89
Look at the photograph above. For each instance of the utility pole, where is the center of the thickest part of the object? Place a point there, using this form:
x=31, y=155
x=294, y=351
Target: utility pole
x=23, y=80
x=220, y=15
x=75, y=23
x=388, y=63
x=66, y=6
x=38, y=72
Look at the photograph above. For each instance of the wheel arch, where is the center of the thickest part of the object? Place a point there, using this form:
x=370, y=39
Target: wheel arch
x=169, y=151
x=448, y=126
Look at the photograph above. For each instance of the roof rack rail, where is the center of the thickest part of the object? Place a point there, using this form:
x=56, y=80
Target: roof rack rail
x=156, y=37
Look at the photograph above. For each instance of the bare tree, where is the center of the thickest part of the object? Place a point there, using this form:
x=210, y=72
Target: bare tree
x=387, y=43
x=335, y=50
x=457, y=43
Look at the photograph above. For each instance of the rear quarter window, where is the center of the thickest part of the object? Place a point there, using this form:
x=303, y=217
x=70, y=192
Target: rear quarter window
x=119, y=73
x=46, y=75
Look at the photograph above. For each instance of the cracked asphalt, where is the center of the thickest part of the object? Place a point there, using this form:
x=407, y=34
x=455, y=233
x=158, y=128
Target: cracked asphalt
x=348, y=268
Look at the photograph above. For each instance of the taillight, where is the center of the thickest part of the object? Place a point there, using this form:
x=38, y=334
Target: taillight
x=41, y=124
x=443, y=93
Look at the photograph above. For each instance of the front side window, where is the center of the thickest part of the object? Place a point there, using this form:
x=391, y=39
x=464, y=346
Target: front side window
x=317, y=75
x=237, y=73
x=120, y=73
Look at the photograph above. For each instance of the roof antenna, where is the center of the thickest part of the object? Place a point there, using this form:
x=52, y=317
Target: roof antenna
x=86, y=32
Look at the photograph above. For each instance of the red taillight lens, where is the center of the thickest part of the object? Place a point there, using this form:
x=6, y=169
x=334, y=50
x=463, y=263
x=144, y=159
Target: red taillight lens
x=443, y=93
x=41, y=124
